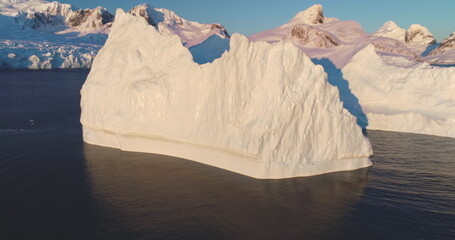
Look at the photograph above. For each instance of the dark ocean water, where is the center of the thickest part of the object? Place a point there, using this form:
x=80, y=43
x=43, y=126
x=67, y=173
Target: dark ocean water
x=53, y=186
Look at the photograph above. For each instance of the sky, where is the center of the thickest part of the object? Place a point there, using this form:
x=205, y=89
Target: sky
x=251, y=16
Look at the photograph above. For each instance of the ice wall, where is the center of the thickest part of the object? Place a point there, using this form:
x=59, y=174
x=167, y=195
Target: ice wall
x=263, y=110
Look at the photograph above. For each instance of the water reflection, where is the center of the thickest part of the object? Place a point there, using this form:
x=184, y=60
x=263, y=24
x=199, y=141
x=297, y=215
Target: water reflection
x=153, y=196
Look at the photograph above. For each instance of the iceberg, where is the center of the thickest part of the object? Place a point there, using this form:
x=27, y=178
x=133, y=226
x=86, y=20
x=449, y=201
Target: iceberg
x=262, y=110
x=401, y=95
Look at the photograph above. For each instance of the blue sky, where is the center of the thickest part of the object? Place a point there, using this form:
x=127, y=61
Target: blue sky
x=251, y=16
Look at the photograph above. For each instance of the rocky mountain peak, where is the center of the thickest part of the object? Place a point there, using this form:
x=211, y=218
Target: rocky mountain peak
x=447, y=44
x=303, y=34
x=418, y=34
x=90, y=18
x=312, y=15
x=147, y=12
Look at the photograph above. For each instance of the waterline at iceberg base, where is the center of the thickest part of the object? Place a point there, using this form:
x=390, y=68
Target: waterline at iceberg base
x=262, y=110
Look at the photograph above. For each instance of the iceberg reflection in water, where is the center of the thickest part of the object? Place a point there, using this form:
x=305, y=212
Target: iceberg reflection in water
x=166, y=197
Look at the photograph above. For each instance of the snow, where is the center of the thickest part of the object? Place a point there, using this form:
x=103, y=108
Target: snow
x=335, y=39
x=311, y=16
x=37, y=35
x=444, y=54
x=391, y=30
x=192, y=33
x=54, y=35
x=382, y=77
x=262, y=110
x=416, y=98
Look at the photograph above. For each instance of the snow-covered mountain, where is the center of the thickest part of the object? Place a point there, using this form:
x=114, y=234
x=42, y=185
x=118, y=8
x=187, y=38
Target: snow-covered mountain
x=167, y=21
x=40, y=34
x=444, y=54
x=447, y=45
x=415, y=35
x=337, y=40
x=35, y=14
x=307, y=35
x=417, y=38
x=263, y=110
x=206, y=41
x=418, y=34
x=391, y=30
x=382, y=77
x=311, y=16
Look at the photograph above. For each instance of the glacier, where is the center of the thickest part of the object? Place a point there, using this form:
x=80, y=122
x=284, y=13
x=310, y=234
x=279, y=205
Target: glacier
x=262, y=110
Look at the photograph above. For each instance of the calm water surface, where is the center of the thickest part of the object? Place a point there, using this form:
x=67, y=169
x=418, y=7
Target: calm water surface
x=53, y=186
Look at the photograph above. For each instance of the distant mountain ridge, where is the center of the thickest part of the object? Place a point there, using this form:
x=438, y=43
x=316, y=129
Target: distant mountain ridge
x=58, y=35
x=41, y=34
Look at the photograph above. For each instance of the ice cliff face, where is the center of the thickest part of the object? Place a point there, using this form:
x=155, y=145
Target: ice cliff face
x=262, y=110
x=417, y=98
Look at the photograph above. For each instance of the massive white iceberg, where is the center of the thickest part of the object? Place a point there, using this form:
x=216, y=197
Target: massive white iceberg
x=403, y=96
x=263, y=110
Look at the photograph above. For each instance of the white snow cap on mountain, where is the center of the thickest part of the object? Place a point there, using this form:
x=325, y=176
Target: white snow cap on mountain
x=311, y=16
x=391, y=30
x=40, y=34
x=415, y=35
x=36, y=14
x=191, y=33
x=56, y=35
x=263, y=110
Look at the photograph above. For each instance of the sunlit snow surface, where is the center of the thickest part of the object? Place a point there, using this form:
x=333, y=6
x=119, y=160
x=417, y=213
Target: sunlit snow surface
x=43, y=35
x=385, y=79
x=263, y=110
x=35, y=35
